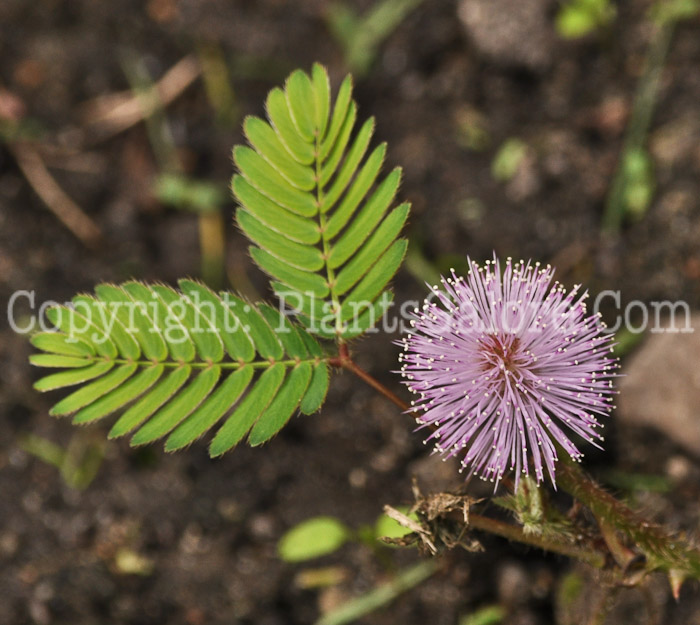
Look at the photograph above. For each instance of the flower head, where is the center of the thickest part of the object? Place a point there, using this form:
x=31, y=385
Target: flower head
x=505, y=363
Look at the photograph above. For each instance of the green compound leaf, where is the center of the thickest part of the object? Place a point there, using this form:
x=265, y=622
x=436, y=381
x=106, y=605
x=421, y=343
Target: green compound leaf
x=313, y=203
x=178, y=362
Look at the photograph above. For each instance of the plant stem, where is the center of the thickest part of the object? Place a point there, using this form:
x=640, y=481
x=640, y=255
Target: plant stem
x=639, y=123
x=380, y=596
x=660, y=548
x=345, y=361
x=513, y=532
x=623, y=556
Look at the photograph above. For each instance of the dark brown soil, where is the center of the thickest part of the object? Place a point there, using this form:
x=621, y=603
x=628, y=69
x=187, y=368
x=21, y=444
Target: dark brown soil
x=209, y=528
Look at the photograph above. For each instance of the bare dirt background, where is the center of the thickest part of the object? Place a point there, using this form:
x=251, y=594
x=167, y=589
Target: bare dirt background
x=208, y=529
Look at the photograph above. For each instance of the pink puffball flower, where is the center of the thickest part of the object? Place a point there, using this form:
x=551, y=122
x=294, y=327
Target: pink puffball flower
x=505, y=363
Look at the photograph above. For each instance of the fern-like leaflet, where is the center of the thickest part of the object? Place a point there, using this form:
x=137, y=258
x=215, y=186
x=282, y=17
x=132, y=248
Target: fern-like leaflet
x=312, y=204
x=179, y=363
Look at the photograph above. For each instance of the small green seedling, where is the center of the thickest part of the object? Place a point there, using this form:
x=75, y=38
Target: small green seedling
x=78, y=463
x=578, y=18
x=323, y=535
x=361, y=36
x=508, y=159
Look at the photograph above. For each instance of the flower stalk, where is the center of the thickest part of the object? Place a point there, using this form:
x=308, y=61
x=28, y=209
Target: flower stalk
x=661, y=549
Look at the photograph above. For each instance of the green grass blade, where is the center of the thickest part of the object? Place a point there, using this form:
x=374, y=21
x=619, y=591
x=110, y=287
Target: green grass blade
x=148, y=404
x=300, y=280
x=248, y=411
x=316, y=392
x=120, y=396
x=59, y=343
x=274, y=216
x=378, y=202
x=303, y=257
x=43, y=449
x=382, y=237
x=73, y=376
x=283, y=405
x=354, y=609
x=268, y=144
x=211, y=410
x=375, y=279
x=300, y=99
x=167, y=324
x=88, y=394
x=278, y=112
x=185, y=402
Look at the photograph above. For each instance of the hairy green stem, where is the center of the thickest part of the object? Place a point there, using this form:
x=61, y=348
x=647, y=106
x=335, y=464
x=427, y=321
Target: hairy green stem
x=661, y=549
x=513, y=532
